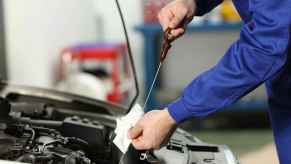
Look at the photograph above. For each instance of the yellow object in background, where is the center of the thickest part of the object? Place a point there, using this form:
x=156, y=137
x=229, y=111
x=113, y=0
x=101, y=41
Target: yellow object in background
x=228, y=12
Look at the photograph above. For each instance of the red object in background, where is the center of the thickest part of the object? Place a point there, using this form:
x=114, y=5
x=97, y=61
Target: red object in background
x=151, y=10
x=113, y=53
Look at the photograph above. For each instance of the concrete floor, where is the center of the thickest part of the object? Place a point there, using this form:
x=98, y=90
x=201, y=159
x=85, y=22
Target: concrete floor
x=250, y=146
x=265, y=155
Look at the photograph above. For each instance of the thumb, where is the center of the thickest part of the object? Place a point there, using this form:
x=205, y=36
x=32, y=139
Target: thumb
x=140, y=144
x=134, y=132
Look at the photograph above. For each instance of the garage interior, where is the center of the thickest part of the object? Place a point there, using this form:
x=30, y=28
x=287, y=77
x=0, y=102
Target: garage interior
x=40, y=42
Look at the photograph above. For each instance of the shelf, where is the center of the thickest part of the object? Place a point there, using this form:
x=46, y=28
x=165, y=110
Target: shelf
x=241, y=106
x=203, y=27
x=245, y=105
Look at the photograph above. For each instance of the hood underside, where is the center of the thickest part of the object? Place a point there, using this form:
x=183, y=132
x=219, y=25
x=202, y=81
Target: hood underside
x=83, y=104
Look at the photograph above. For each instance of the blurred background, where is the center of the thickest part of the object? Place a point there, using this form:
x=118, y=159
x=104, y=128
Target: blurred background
x=79, y=47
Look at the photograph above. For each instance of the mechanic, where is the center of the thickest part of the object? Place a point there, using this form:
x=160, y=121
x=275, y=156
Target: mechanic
x=261, y=55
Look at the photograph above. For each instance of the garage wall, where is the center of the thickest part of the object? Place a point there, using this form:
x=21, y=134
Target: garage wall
x=198, y=52
x=36, y=30
x=132, y=10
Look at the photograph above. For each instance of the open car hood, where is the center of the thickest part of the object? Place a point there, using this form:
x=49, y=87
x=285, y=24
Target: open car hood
x=15, y=92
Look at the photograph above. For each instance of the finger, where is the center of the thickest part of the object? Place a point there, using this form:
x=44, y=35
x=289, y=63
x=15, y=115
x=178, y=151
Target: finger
x=175, y=33
x=140, y=144
x=134, y=132
x=179, y=16
x=165, y=16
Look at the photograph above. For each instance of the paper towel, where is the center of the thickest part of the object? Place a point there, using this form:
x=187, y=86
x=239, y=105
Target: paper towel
x=124, y=124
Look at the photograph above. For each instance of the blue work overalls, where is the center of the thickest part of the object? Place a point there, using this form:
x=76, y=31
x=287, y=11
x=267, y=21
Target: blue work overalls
x=262, y=54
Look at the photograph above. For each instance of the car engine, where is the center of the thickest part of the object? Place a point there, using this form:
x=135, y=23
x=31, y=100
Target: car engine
x=31, y=144
x=55, y=129
x=30, y=133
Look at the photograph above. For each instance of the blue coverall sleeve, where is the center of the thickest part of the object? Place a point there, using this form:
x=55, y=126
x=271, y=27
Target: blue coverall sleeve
x=255, y=57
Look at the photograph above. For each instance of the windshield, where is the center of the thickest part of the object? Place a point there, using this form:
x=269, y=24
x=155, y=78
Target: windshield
x=74, y=46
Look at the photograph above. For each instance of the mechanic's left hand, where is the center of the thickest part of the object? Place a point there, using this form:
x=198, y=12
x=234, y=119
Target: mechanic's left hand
x=153, y=130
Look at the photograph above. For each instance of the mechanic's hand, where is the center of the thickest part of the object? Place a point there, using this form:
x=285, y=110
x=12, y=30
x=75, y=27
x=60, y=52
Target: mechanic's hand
x=175, y=13
x=153, y=130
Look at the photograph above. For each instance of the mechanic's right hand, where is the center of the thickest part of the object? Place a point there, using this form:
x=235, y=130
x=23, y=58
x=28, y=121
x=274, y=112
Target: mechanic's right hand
x=153, y=130
x=172, y=15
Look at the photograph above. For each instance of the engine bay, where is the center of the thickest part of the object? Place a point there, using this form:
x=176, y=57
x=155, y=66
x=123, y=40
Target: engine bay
x=42, y=126
x=36, y=133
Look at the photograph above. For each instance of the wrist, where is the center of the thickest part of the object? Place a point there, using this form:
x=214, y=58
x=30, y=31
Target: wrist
x=192, y=7
x=169, y=119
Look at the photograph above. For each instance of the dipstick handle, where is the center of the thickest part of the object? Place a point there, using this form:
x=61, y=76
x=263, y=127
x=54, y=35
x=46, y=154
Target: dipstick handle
x=166, y=45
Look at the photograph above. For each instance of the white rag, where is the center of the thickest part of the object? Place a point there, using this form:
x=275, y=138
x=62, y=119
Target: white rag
x=124, y=124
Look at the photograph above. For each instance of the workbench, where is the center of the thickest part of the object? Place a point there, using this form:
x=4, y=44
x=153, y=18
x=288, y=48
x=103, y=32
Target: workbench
x=152, y=34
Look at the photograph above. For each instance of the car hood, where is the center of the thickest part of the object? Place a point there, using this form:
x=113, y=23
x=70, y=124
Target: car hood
x=12, y=91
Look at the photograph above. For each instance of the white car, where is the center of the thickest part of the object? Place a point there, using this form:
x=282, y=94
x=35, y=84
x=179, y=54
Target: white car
x=44, y=126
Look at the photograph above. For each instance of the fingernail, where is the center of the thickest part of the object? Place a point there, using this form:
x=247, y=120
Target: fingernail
x=129, y=135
